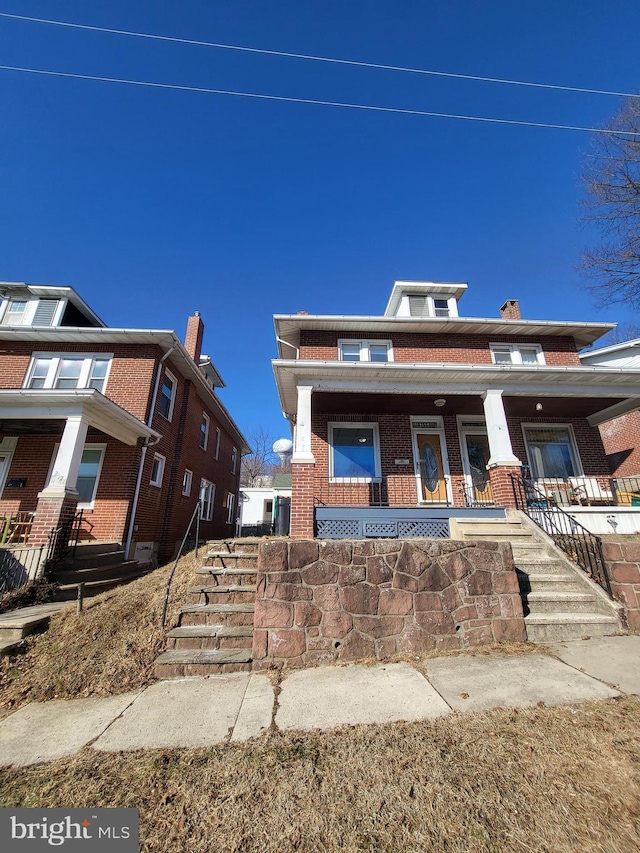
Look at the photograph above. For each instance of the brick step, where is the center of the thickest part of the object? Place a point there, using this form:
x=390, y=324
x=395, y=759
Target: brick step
x=221, y=594
x=210, y=637
x=553, y=627
x=214, y=614
x=230, y=577
x=554, y=601
x=109, y=571
x=178, y=663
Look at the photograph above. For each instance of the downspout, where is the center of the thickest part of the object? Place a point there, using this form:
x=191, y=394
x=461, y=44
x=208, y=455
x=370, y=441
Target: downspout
x=143, y=455
x=287, y=344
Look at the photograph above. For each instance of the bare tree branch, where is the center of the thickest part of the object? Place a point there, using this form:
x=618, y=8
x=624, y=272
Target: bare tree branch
x=612, y=182
x=259, y=466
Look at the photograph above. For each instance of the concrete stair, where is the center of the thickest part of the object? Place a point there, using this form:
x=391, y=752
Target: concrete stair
x=215, y=630
x=559, y=601
x=99, y=566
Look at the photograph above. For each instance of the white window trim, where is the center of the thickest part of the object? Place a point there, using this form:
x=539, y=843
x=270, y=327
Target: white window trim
x=187, y=482
x=514, y=349
x=429, y=298
x=231, y=500
x=365, y=348
x=216, y=452
x=162, y=460
x=172, y=401
x=572, y=442
x=376, y=451
x=87, y=359
x=203, y=484
x=87, y=446
x=234, y=460
x=205, y=417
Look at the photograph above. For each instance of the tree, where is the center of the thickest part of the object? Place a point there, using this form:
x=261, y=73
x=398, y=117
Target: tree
x=612, y=180
x=259, y=466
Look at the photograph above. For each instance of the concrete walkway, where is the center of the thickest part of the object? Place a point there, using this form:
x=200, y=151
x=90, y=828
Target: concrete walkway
x=196, y=712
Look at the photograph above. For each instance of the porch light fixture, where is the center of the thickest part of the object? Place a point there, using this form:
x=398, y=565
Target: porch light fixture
x=538, y=407
x=439, y=402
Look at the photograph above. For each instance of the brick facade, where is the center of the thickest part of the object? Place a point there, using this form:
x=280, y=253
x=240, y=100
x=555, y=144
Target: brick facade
x=621, y=439
x=623, y=565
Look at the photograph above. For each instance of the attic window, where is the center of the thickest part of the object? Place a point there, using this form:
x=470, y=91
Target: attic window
x=14, y=315
x=45, y=312
x=429, y=306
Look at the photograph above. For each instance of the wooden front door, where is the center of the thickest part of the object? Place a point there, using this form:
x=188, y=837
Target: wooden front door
x=432, y=483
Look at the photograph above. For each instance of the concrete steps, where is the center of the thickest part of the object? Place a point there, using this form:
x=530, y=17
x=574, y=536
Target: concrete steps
x=100, y=566
x=215, y=626
x=18, y=624
x=558, y=600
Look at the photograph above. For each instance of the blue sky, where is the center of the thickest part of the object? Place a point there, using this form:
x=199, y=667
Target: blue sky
x=153, y=203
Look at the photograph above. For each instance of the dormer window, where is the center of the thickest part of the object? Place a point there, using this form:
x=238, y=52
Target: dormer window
x=32, y=312
x=358, y=350
x=431, y=306
x=15, y=311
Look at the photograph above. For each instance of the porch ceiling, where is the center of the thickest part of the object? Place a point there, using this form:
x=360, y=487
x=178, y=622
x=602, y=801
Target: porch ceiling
x=334, y=403
x=26, y=406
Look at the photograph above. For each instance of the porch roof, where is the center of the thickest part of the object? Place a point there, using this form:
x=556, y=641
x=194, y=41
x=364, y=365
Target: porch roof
x=102, y=413
x=620, y=387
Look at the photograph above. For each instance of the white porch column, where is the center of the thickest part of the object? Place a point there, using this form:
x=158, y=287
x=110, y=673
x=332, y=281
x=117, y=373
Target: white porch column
x=64, y=474
x=302, y=435
x=497, y=430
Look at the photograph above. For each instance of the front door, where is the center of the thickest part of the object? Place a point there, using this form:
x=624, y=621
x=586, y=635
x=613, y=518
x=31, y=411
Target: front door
x=430, y=464
x=475, y=457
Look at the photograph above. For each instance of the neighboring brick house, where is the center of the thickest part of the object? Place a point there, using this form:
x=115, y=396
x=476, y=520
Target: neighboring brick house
x=122, y=423
x=620, y=436
x=420, y=414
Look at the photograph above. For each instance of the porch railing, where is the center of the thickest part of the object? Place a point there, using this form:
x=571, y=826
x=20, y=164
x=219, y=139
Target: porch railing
x=578, y=543
x=352, y=492
x=598, y=490
x=63, y=541
x=18, y=566
x=478, y=494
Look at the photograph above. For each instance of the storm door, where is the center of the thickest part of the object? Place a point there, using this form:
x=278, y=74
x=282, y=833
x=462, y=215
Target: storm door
x=475, y=458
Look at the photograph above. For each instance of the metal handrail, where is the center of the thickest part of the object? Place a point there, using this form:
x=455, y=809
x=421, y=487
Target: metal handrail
x=195, y=517
x=579, y=544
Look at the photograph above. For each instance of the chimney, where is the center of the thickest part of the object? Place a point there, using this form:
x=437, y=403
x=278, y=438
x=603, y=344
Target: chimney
x=511, y=310
x=193, y=338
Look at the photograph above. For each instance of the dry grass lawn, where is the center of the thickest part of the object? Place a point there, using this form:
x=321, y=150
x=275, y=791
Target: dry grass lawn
x=542, y=779
x=109, y=648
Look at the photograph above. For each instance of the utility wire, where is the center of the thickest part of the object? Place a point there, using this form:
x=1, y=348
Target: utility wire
x=353, y=62
x=264, y=97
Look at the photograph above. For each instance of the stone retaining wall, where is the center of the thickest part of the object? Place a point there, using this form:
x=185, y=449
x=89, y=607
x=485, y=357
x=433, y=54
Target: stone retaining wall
x=623, y=563
x=319, y=602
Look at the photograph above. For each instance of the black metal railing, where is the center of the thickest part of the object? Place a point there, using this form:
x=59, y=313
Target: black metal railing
x=63, y=541
x=18, y=565
x=352, y=491
x=579, y=544
x=595, y=490
x=478, y=494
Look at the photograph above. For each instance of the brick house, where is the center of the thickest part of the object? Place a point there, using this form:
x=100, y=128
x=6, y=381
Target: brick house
x=124, y=424
x=404, y=421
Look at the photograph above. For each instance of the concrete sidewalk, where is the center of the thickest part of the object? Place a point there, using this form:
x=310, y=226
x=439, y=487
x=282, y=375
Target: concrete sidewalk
x=196, y=712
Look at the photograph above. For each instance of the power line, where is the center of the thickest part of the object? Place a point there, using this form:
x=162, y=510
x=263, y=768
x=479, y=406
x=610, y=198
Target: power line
x=352, y=62
x=264, y=97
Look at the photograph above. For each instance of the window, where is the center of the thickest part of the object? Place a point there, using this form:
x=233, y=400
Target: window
x=429, y=306
x=88, y=473
x=517, y=354
x=234, y=460
x=354, y=451
x=14, y=315
x=68, y=371
x=216, y=450
x=551, y=451
x=231, y=502
x=157, y=470
x=207, y=495
x=365, y=350
x=187, y=479
x=204, y=431
x=167, y=395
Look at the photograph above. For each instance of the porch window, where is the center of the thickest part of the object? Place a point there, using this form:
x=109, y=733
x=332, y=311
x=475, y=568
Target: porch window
x=551, y=452
x=354, y=451
x=207, y=495
x=89, y=475
x=517, y=354
x=68, y=372
x=167, y=395
x=357, y=350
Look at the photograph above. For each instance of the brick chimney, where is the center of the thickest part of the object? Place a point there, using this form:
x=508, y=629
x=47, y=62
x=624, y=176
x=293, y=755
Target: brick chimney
x=193, y=338
x=511, y=310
